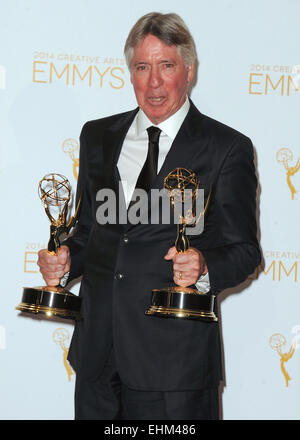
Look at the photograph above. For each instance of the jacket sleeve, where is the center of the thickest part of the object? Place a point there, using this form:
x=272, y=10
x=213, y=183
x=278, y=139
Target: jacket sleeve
x=233, y=253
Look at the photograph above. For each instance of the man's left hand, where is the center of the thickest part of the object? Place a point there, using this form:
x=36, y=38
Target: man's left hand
x=187, y=266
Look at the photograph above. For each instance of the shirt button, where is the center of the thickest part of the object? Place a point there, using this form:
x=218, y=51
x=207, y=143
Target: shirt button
x=119, y=276
x=125, y=238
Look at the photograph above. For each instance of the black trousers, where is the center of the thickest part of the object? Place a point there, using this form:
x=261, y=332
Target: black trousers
x=107, y=398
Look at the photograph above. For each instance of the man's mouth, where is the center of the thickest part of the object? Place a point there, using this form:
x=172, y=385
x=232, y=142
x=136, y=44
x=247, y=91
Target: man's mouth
x=156, y=99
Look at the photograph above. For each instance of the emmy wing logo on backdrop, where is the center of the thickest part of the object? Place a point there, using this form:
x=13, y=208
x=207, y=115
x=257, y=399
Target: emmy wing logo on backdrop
x=60, y=336
x=285, y=157
x=71, y=147
x=278, y=342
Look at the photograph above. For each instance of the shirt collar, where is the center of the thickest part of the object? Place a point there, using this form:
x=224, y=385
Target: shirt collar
x=170, y=126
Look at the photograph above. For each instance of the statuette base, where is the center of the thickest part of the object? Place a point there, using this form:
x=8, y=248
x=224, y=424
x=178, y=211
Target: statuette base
x=182, y=302
x=50, y=301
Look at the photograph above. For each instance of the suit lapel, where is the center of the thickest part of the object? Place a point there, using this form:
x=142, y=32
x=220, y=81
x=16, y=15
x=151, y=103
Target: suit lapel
x=188, y=143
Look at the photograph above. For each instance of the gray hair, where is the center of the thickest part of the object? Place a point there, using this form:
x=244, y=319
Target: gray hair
x=169, y=28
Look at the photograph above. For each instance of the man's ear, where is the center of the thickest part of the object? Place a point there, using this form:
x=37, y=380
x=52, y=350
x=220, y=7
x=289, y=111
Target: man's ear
x=191, y=71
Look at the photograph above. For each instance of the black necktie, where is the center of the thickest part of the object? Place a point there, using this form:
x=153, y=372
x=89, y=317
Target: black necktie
x=149, y=170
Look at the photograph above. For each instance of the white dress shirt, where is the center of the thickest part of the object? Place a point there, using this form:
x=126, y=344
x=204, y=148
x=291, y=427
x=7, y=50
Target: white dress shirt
x=134, y=153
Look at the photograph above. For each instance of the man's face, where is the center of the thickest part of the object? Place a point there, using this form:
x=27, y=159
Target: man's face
x=160, y=78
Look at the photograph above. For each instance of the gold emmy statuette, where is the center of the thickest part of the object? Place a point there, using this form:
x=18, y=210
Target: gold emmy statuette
x=176, y=301
x=55, y=193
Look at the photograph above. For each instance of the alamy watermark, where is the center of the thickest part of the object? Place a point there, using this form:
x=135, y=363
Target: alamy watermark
x=156, y=207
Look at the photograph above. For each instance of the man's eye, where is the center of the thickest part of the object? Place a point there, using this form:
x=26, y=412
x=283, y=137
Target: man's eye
x=141, y=68
x=169, y=66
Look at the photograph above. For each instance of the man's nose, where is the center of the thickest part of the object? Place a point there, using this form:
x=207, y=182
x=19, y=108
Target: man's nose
x=155, y=79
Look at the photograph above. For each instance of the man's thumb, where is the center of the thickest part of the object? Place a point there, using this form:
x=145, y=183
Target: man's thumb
x=170, y=254
x=63, y=255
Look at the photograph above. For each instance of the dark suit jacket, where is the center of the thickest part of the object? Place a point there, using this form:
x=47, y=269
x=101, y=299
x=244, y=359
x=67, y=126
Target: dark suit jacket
x=121, y=264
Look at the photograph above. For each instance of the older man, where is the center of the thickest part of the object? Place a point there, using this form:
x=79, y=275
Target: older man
x=129, y=365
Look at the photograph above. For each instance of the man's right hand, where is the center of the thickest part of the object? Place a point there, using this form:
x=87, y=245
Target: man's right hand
x=52, y=266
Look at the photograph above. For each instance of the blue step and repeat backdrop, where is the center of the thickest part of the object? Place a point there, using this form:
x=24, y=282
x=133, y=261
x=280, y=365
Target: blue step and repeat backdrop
x=61, y=64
